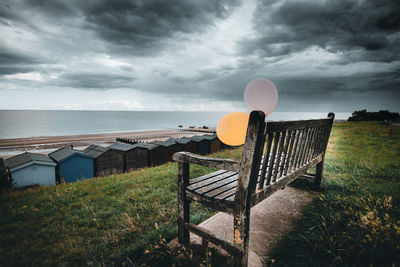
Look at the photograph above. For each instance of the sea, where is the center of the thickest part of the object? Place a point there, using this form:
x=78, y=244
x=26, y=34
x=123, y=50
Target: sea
x=36, y=123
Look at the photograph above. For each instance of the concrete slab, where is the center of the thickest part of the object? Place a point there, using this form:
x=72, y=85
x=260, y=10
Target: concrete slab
x=270, y=220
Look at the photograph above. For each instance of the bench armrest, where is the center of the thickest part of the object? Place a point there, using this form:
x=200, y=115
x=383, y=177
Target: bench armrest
x=223, y=164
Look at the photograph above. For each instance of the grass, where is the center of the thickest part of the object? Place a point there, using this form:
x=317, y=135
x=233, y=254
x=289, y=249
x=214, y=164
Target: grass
x=121, y=219
x=356, y=221
x=127, y=219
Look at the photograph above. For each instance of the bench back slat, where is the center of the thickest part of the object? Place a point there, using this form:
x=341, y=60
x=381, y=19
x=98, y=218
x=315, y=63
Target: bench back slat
x=289, y=145
x=289, y=156
x=265, y=160
x=271, y=159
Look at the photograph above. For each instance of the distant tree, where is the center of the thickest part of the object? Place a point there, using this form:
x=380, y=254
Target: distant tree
x=382, y=115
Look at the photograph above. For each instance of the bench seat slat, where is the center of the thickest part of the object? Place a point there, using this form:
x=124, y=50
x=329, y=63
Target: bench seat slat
x=228, y=193
x=210, y=180
x=221, y=182
x=207, y=176
x=221, y=190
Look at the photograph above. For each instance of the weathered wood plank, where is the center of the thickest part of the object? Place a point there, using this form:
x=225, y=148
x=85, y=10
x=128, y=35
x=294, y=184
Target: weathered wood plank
x=300, y=146
x=230, y=179
x=316, y=142
x=207, y=176
x=269, y=190
x=308, y=146
x=285, y=153
x=311, y=145
x=273, y=157
x=304, y=149
x=221, y=190
x=279, y=156
x=279, y=126
x=183, y=203
x=226, y=194
x=210, y=237
x=224, y=164
x=290, y=152
x=211, y=181
x=221, y=205
x=266, y=161
x=295, y=151
x=248, y=173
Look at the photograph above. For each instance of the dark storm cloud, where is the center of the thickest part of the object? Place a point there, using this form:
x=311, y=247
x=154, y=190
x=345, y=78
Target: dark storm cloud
x=16, y=62
x=117, y=28
x=286, y=27
x=143, y=27
x=101, y=81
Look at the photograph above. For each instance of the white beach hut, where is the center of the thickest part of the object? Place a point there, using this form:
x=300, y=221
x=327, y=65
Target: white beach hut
x=30, y=169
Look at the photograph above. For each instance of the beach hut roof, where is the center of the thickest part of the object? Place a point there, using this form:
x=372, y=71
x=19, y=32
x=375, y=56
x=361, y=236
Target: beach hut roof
x=148, y=146
x=95, y=150
x=121, y=146
x=65, y=153
x=182, y=140
x=164, y=143
x=210, y=136
x=197, y=138
x=28, y=157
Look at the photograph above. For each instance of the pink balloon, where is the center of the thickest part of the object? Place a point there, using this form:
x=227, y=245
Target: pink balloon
x=261, y=94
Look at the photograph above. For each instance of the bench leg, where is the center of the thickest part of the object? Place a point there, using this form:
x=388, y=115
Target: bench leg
x=319, y=168
x=183, y=204
x=241, y=237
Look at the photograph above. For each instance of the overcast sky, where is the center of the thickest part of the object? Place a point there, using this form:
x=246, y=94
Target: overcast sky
x=331, y=55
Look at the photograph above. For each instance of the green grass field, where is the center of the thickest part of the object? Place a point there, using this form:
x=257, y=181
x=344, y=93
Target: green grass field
x=127, y=219
x=356, y=221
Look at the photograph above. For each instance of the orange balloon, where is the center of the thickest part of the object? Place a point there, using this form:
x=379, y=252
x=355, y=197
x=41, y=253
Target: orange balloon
x=232, y=128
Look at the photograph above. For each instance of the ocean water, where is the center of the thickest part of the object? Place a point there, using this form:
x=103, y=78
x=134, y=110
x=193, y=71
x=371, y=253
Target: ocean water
x=35, y=123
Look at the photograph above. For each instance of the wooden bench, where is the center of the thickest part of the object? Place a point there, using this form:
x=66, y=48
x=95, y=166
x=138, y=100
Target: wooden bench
x=274, y=154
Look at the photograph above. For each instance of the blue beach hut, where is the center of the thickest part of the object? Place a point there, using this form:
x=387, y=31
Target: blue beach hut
x=73, y=165
x=31, y=168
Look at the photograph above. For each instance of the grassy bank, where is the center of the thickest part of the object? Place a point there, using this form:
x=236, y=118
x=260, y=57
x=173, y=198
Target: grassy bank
x=118, y=219
x=356, y=221
x=127, y=219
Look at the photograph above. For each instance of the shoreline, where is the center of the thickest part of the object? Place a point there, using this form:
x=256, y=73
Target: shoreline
x=18, y=145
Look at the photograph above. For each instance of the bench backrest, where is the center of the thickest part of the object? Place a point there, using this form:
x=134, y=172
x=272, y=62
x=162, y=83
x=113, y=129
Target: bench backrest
x=275, y=149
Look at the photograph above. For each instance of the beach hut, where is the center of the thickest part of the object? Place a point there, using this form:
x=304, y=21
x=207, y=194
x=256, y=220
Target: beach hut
x=106, y=161
x=30, y=169
x=215, y=143
x=72, y=165
x=188, y=144
x=135, y=157
x=203, y=144
x=3, y=174
x=121, y=148
x=156, y=154
x=169, y=148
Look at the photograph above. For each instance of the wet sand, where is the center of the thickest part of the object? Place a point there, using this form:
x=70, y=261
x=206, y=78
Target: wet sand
x=18, y=145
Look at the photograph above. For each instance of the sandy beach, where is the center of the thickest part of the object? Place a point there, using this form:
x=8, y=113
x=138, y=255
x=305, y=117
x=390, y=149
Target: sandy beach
x=46, y=144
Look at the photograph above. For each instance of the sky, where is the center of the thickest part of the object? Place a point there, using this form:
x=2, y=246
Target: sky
x=190, y=55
